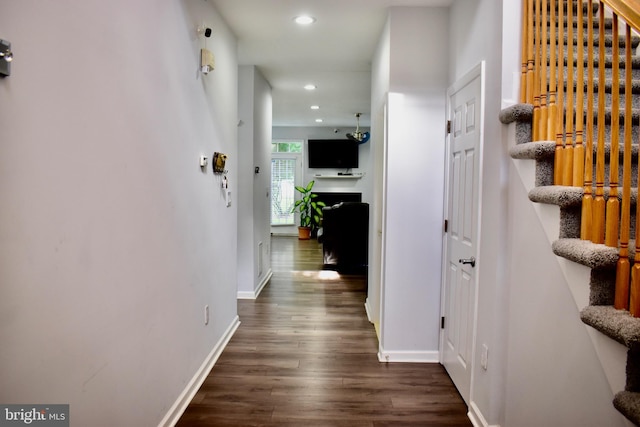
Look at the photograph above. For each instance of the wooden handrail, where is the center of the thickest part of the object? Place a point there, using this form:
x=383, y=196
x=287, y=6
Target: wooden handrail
x=629, y=10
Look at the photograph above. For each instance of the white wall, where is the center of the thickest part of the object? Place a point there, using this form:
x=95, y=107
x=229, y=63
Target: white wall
x=414, y=175
x=362, y=185
x=379, y=90
x=475, y=32
x=112, y=239
x=554, y=376
x=254, y=142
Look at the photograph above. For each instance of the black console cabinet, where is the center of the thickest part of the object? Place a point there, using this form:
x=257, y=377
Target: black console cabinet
x=345, y=237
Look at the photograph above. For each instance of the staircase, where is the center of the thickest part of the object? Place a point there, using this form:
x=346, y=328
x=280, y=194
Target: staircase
x=600, y=314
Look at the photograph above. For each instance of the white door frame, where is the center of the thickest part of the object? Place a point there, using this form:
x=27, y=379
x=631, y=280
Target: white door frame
x=475, y=72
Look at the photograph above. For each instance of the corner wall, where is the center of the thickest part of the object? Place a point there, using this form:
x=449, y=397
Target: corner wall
x=254, y=145
x=413, y=180
x=110, y=232
x=551, y=357
x=476, y=35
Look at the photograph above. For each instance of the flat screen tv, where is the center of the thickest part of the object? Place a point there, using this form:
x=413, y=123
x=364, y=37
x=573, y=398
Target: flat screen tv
x=333, y=153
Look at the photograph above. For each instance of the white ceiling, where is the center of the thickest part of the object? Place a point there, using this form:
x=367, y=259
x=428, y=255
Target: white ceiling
x=334, y=53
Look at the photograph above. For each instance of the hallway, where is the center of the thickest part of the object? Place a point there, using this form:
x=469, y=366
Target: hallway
x=305, y=355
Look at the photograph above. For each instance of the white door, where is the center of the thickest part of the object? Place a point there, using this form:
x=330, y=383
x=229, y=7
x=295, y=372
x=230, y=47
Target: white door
x=461, y=260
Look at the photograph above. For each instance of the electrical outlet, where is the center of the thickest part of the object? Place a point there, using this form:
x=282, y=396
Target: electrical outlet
x=206, y=314
x=484, y=358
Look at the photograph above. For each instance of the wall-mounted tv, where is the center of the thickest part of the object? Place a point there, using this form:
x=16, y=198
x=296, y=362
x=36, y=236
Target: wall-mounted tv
x=332, y=153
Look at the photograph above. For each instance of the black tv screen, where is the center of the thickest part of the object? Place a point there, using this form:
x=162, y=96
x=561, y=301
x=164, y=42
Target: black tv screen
x=333, y=153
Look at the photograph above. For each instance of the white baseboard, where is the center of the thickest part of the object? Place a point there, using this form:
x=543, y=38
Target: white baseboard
x=409, y=356
x=367, y=308
x=476, y=417
x=180, y=405
x=254, y=294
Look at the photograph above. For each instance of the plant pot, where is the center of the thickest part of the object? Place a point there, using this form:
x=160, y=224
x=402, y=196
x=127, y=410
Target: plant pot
x=304, y=233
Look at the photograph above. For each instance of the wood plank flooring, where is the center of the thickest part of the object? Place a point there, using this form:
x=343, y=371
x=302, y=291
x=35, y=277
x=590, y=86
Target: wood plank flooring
x=305, y=355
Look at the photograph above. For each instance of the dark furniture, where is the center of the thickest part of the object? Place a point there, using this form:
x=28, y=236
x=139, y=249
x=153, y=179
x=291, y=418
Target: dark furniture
x=333, y=198
x=345, y=237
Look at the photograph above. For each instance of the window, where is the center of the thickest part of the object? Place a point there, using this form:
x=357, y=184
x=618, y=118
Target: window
x=284, y=162
x=283, y=174
x=286, y=147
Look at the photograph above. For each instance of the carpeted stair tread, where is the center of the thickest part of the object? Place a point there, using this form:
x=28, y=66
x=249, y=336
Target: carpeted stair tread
x=608, y=86
x=516, y=113
x=608, y=40
x=587, y=253
x=568, y=196
x=628, y=403
x=560, y=195
x=635, y=115
x=616, y=324
x=533, y=150
x=608, y=62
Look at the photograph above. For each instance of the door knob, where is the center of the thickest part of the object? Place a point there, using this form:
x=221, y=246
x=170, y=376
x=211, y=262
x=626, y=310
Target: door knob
x=471, y=261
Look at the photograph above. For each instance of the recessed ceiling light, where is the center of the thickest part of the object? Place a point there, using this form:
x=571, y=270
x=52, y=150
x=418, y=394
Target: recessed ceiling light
x=304, y=20
x=319, y=120
x=310, y=87
x=315, y=107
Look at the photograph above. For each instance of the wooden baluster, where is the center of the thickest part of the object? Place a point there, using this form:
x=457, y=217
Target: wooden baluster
x=634, y=303
x=530, y=52
x=536, y=74
x=523, y=53
x=622, y=268
x=542, y=132
x=559, y=129
x=552, y=109
x=586, y=227
x=578, y=152
x=567, y=161
x=598, y=201
x=613, y=204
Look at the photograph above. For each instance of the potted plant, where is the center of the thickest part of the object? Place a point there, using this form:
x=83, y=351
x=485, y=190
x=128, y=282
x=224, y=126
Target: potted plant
x=310, y=210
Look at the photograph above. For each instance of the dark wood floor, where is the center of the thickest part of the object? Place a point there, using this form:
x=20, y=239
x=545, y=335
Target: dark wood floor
x=305, y=355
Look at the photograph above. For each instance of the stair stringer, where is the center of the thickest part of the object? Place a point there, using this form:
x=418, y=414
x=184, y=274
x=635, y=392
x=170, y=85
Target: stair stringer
x=564, y=365
x=612, y=355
